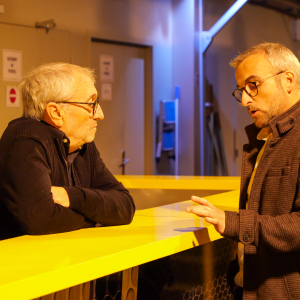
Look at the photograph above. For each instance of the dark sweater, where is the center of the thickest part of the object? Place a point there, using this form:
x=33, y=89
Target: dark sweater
x=33, y=157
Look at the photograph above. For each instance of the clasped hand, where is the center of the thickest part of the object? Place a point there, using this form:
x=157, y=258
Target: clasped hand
x=206, y=210
x=60, y=196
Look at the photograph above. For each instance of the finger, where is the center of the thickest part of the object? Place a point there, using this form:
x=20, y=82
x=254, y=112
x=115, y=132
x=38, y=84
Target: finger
x=191, y=209
x=188, y=209
x=211, y=220
x=201, y=201
x=201, y=212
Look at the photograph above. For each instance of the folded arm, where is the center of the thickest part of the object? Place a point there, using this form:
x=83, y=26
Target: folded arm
x=107, y=201
x=26, y=192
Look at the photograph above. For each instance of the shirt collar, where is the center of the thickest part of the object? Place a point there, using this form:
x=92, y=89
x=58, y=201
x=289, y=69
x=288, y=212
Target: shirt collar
x=59, y=135
x=264, y=133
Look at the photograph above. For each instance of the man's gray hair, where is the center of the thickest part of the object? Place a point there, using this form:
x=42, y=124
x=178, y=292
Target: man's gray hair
x=280, y=57
x=49, y=83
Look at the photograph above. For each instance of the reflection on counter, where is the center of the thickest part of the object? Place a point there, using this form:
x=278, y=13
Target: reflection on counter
x=194, y=274
x=149, y=198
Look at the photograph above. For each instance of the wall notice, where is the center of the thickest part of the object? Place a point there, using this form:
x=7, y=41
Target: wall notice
x=106, y=91
x=106, y=68
x=12, y=65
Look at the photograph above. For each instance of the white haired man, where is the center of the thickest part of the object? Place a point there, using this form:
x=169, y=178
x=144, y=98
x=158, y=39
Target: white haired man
x=52, y=178
x=268, y=222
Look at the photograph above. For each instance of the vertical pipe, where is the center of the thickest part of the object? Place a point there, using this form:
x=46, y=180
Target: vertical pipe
x=201, y=89
x=176, y=129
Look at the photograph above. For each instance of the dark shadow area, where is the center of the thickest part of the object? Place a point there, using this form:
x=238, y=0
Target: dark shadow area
x=197, y=273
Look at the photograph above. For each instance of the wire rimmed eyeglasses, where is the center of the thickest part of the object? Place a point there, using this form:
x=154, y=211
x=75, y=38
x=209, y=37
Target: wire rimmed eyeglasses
x=251, y=88
x=93, y=104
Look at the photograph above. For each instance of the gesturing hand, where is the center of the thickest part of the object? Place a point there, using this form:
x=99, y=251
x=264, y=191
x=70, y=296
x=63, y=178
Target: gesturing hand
x=60, y=196
x=206, y=210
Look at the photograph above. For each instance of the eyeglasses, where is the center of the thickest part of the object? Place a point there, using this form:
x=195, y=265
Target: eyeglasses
x=93, y=104
x=250, y=88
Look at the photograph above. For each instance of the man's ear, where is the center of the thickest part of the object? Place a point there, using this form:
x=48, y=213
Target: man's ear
x=290, y=81
x=54, y=115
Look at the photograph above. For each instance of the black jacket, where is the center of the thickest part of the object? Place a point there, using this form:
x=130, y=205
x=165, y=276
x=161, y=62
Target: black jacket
x=32, y=159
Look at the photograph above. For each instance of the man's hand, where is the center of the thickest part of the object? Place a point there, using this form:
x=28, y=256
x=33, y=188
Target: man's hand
x=60, y=196
x=211, y=214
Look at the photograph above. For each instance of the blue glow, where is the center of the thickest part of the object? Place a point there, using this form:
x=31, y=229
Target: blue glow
x=207, y=36
x=226, y=17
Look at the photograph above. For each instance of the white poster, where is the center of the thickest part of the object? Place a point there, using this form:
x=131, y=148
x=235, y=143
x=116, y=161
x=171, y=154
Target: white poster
x=12, y=96
x=12, y=65
x=106, y=68
x=106, y=91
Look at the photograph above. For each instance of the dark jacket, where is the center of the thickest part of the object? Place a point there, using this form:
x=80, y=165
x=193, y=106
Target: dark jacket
x=32, y=159
x=270, y=227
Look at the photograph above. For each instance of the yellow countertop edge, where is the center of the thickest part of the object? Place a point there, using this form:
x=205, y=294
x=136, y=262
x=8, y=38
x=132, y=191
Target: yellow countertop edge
x=51, y=282
x=225, y=183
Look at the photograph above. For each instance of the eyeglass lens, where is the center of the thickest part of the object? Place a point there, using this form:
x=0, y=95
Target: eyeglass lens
x=250, y=88
x=96, y=103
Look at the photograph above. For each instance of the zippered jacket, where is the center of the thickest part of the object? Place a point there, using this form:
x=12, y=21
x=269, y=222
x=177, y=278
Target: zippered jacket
x=33, y=157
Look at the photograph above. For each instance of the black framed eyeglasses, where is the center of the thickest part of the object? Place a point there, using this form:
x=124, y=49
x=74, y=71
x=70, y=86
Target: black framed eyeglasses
x=251, y=88
x=93, y=104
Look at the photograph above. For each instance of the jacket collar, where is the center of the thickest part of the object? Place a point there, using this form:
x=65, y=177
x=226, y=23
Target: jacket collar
x=59, y=136
x=279, y=124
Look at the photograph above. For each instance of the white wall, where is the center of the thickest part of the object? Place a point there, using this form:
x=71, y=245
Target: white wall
x=250, y=26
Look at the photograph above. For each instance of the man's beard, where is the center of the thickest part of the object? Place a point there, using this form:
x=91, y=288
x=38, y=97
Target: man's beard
x=277, y=107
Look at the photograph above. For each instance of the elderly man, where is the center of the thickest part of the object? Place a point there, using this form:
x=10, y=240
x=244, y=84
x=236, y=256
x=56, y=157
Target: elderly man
x=267, y=226
x=52, y=178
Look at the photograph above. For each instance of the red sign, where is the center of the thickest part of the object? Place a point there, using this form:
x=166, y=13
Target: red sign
x=12, y=95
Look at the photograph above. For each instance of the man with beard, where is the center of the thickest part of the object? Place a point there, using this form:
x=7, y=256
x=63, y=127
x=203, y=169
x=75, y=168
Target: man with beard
x=268, y=222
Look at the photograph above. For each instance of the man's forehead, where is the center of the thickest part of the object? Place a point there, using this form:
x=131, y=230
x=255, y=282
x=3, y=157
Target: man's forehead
x=255, y=65
x=85, y=87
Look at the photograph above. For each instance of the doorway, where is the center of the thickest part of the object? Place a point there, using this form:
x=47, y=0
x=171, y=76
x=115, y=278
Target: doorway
x=126, y=129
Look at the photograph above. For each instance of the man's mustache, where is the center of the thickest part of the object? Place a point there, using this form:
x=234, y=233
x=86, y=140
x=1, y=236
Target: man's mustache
x=252, y=108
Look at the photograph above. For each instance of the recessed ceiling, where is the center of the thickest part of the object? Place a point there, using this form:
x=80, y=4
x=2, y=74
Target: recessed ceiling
x=288, y=7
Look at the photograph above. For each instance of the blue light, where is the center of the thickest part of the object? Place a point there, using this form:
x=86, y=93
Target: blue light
x=207, y=36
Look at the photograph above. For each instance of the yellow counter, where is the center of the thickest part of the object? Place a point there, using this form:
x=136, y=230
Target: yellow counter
x=153, y=191
x=32, y=266
x=214, y=183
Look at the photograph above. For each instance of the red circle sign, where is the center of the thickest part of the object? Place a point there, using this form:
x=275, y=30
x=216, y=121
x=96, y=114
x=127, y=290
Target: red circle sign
x=12, y=95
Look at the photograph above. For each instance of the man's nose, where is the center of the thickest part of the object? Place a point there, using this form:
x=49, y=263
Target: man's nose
x=99, y=115
x=246, y=99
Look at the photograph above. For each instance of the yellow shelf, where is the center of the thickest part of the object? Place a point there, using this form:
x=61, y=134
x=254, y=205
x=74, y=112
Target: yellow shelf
x=32, y=266
x=225, y=183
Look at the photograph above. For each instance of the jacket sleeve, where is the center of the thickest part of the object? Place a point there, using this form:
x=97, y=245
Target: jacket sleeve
x=26, y=192
x=279, y=233
x=107, y=201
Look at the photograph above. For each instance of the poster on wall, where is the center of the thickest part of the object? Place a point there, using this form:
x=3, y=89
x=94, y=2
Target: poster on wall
x=106, y=68
x=12, y=65
x=12, y=96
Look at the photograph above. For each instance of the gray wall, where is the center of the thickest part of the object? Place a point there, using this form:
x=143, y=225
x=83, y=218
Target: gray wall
x=250, y=26
x=146, y=22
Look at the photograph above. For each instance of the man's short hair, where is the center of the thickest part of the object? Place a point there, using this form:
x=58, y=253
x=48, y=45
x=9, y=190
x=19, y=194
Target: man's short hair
x=49, y=83
x=280, y=57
